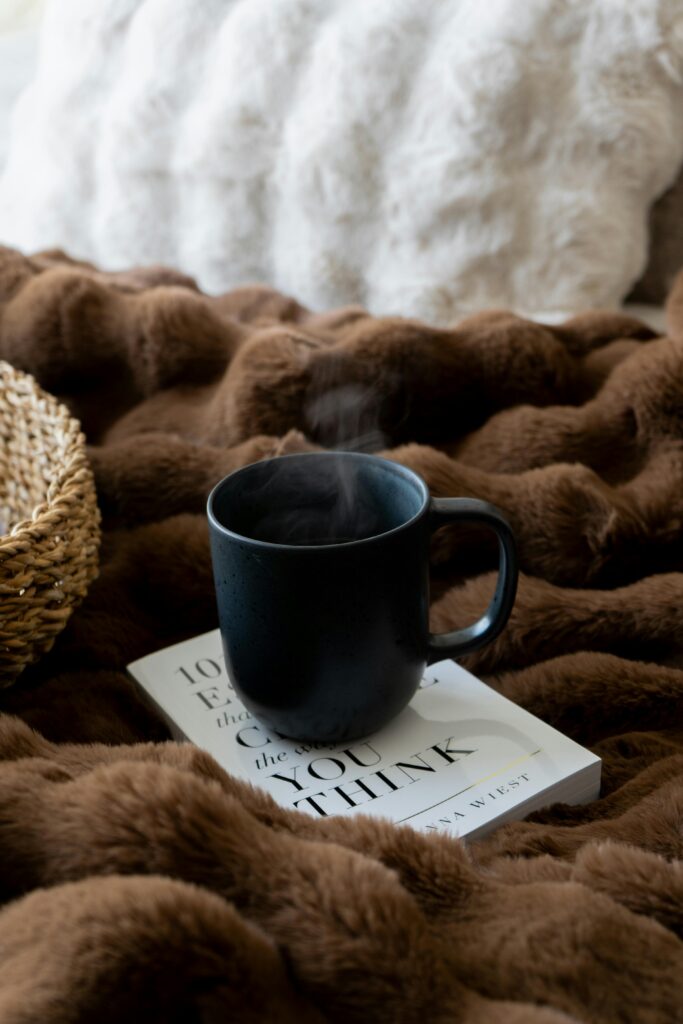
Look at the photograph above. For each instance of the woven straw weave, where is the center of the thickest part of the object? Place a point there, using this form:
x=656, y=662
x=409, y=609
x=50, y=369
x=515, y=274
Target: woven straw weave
x=49, y=521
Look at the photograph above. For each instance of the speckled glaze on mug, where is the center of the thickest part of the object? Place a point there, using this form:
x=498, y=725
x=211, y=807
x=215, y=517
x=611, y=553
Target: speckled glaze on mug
x=321, y=569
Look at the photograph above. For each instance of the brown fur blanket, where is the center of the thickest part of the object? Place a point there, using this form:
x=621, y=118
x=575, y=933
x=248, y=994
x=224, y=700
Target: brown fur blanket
x=140, y=882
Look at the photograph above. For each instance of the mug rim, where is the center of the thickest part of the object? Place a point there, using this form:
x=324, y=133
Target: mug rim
x=395, y=467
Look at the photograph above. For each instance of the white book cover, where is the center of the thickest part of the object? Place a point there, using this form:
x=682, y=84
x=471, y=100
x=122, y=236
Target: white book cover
x=460, y=758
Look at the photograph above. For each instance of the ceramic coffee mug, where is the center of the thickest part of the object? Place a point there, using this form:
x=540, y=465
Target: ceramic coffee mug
x=321, y=569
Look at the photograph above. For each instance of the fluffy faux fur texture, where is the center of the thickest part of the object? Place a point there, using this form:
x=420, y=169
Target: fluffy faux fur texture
x=426, y=159
x=138, y=881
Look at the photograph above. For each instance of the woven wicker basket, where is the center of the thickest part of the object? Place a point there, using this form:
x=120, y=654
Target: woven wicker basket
x=49, y=521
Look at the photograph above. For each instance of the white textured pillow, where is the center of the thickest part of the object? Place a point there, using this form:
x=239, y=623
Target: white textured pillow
x=425, y=158
x=19, y=21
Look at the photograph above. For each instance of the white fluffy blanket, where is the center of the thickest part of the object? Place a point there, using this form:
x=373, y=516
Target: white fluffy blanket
x=424, y=158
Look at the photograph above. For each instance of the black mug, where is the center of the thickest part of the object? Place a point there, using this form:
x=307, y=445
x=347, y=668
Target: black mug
x=321, y=569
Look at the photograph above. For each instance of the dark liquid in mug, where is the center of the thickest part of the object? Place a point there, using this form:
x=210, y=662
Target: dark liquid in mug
x=329, y=539
x=273, y=530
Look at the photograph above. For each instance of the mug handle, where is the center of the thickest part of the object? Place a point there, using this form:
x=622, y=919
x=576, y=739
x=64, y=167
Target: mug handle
x=487, y=628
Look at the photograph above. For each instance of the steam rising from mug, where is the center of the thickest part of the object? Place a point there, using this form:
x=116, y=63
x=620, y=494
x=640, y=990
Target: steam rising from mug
x=346, y=418
x=330, y=507
x=314, y=503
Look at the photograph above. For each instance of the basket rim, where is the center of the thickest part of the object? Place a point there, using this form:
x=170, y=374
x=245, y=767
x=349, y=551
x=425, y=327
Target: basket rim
x=74, y=461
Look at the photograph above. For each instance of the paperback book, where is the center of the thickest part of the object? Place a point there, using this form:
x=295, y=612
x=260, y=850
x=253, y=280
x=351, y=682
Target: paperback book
x=460, y=758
